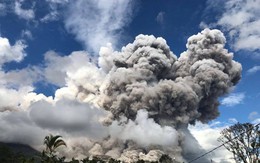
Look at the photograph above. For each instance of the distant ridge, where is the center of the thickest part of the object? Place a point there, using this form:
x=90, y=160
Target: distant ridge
x=17, y=148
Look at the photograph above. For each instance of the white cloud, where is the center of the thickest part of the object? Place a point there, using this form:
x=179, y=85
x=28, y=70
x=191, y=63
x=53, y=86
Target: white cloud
x=52, y=16
x=57, y=66
x=203, y=25
x=145, y=131
x=10, y=53
x=16, y=88
x=160, y=17
x=253, y=70
x=75, y=74
x=15, y=126
x=96, y=23
x=12, y=98
x=256, y=121
x=27, y=14
x=233, y=99
x=23, y=111
x=208, y=134
x=106, y=57
x=76, y=68
x=18, y=78
x=26, y=34
x=240, y=18
x=54, y=13
x=201, y=132
x=70, y=117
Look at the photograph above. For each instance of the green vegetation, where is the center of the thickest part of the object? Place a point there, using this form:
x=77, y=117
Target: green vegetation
x=52, y=143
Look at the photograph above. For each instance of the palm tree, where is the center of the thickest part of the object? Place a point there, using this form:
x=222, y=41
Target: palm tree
x=52, y=143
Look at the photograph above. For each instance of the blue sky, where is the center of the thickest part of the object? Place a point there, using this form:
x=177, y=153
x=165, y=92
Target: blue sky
x=38, y=40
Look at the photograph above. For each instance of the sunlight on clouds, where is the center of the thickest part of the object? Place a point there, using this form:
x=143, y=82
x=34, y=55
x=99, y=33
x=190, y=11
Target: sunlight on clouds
x=15, y=85
x=73, y=73
x=240, y=18
x=233, y=99
x=11, y=98
x=10, y=53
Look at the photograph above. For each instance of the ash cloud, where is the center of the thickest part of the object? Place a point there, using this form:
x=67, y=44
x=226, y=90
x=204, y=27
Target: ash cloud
x=147, y=75
x=136, y=104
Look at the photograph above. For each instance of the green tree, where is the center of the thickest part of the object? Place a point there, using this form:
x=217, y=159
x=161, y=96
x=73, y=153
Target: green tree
x=243, y=141
x=52, y=143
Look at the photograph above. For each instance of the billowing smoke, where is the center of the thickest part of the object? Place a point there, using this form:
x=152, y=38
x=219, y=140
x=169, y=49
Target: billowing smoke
x=136, y=104
x=147, y=75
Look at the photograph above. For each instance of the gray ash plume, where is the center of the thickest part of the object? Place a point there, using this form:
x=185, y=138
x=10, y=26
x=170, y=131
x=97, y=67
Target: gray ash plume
x=147, y=75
